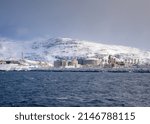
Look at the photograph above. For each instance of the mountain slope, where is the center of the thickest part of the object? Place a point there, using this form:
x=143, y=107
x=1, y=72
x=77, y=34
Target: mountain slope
x=51, y=49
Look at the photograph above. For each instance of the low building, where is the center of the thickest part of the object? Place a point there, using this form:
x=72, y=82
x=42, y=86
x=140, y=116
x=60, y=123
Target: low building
x=45, y=64
x=57, y=63
x=74, y=62
x=64, y=63
x=91, y=62
x=120, y=63
x=10, y=62
x=80, y=61
x=2, y=62
x=111, y=61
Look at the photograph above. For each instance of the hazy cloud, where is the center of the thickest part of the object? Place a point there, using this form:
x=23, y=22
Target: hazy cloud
x=22, y=31
x=125, y=22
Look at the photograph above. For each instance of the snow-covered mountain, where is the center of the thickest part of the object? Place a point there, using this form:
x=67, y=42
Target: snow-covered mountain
x=51, y=49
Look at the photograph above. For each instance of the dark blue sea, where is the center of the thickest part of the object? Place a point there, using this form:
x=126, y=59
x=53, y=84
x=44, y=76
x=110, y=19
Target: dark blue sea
x=72, y=89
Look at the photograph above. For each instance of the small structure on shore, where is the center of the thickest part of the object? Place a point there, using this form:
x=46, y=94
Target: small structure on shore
x=9, y=62
x=91, y=62
x=57, y=63
x=66, y=63
x=2, y=62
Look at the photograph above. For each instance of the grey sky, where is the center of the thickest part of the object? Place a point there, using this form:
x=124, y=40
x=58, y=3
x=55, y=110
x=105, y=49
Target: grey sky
x=124, y=22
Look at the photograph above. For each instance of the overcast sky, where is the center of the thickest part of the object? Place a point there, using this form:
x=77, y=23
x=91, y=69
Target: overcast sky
x=123, y=22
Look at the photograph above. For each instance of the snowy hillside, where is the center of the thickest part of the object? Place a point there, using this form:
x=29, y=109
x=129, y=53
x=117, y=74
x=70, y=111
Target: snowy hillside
x=51, y=49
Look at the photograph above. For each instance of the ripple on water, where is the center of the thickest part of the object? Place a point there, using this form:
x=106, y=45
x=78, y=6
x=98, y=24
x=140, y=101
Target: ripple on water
x=74, y=89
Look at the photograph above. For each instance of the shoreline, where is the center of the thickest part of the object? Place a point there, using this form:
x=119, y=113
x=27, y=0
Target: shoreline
x=112, y=70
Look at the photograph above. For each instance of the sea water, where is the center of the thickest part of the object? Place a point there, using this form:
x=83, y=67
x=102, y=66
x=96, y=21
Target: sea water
x=43, y=88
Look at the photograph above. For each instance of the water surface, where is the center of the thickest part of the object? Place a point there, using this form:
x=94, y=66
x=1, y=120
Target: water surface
x=86, y=89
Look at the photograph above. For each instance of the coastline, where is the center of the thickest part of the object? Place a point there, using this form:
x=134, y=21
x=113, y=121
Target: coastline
x=112, y=70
